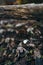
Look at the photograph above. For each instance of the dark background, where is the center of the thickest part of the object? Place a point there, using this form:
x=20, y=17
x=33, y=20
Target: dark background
x=24, y=1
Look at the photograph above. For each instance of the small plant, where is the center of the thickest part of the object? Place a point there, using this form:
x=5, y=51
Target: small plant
x=8, y=62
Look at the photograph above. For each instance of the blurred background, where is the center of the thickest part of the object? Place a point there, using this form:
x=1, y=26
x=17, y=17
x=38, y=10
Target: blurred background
x=11, y=2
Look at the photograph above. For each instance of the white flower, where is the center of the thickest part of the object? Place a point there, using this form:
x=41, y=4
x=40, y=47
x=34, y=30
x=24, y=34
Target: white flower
x=31, y=45
x=1, y=22
x=19, y=24
x=1, y=30
x=7, y=39
x=30, y=29
x=25, y=41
